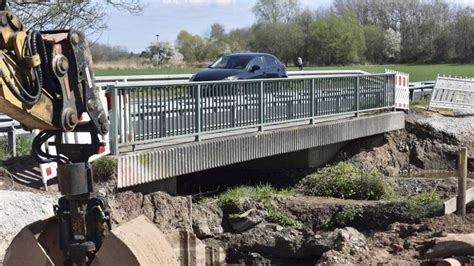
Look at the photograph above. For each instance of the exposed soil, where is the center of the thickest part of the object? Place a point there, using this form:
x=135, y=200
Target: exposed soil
x=408, y=242
x=23, y=174
x=430, y=142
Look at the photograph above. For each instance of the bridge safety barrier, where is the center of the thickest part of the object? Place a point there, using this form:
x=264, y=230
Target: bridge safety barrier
x=148, y=113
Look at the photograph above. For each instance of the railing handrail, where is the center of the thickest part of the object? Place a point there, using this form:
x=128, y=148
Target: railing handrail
x=152, y=112
x=171, y=77
x=180, y=83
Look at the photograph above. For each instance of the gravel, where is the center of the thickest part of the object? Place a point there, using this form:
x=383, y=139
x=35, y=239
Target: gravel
x=18, y=209
x=460, y=127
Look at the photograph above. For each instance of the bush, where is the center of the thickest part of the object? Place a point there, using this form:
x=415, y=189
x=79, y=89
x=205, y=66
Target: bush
x=104, y=169
x=23, y=146
x=406, y=210
x=347, y=215
x=346, y=181
x=4, y=153
x=261, y=193
x=282, y=219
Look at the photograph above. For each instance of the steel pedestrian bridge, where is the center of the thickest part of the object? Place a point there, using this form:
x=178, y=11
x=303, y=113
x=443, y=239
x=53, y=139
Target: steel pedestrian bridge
x=159, y=131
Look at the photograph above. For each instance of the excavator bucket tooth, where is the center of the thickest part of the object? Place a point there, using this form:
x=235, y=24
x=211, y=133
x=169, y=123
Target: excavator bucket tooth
x=137, y=242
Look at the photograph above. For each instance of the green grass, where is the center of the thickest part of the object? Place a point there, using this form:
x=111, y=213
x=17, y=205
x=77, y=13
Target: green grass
x=260, y=193
x=417, y=72
x=23, y=148
x=345, y=181
x=104, y=169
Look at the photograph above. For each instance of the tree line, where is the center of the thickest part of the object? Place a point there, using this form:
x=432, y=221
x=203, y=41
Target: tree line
x=348, y=32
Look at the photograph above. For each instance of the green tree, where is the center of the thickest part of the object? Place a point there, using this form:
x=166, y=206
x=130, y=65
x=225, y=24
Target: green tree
x=239, y=39
x=337, y=40
x=273, y=11
x=192, y=47
x=217, y=32
x=283, y=40
x=376, y=44
x=463, y=32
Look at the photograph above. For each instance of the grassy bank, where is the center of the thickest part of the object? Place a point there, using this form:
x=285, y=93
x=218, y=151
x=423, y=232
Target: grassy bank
x=417, y=72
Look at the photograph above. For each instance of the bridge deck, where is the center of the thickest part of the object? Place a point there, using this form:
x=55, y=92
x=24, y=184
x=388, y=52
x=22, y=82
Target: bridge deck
x=166, y=161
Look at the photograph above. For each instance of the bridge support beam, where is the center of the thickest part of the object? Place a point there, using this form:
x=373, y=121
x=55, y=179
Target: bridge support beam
x=176, y=160
x=304, y=159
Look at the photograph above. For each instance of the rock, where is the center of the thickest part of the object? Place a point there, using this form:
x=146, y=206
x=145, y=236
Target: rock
x=407, y=230
x=207, y=219
x=347, y=239
x=245, y=221
x=257, y=259
x=287, y=243
x=396, y=248
x=243, y=205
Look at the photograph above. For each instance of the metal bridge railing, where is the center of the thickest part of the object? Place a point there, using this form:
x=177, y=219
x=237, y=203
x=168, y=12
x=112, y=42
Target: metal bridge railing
x=147, y=113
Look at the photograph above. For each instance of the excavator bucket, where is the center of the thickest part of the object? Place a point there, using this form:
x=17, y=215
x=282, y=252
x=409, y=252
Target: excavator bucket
x=137, y=242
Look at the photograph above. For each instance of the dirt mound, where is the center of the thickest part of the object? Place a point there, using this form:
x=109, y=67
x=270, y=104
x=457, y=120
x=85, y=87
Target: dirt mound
x=167, y=212
x=409, y=241
x=430, y=142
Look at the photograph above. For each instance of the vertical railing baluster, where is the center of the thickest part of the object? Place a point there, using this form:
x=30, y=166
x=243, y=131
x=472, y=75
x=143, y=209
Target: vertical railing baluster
x=313, y=102
x=198, y=111
x=357, y=89
x=114, y=149
x=262, y=106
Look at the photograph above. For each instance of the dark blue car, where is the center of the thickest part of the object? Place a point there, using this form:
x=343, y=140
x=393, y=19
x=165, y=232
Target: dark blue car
x=243, y=66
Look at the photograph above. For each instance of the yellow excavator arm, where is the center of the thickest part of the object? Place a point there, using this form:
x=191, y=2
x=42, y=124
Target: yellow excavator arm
x=47, y=83
x=46, y=78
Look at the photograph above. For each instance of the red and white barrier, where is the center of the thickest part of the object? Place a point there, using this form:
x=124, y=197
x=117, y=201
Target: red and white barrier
x=402, y=89
x=49, y=170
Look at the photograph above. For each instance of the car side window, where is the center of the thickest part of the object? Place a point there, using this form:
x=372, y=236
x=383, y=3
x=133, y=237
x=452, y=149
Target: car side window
x=270, y=61
x=257, y=61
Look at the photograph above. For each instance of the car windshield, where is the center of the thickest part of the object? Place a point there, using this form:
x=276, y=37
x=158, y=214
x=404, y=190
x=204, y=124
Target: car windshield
x=232, y=62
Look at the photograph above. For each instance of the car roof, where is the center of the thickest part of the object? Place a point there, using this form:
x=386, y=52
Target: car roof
x=249, y=54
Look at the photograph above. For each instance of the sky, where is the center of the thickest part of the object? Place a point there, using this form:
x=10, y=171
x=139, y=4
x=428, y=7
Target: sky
x=168, y=17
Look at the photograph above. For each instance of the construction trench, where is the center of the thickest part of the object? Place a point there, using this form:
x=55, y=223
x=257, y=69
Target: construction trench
x=196, y=230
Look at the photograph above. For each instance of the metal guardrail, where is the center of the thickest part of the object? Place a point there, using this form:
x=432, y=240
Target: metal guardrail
x=11, y=128
x=103, y=81
x=421, y=89
x=144, y=113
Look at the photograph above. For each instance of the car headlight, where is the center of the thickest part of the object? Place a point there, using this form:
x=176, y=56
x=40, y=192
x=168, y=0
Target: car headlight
x=232, y=78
